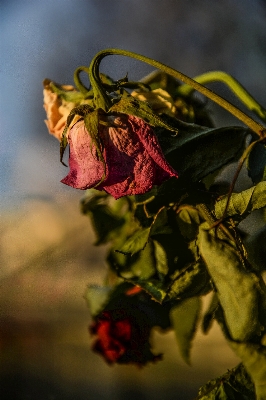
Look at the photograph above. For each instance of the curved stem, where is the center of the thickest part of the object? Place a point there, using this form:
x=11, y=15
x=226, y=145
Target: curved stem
x=82, y=88
x=101, y=99
x=234, y=86
x=207, y=215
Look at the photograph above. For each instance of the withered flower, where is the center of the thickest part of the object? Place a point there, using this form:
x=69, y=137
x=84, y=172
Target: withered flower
x=133, y=159
x=123, y=338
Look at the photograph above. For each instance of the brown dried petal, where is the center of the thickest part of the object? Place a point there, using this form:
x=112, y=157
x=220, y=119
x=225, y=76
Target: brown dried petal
x=57, y=110
x=159, y=100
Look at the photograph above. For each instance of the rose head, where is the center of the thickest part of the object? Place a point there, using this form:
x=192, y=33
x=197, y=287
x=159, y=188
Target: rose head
x=113, y=337
x=122, y=338
x=134, y=161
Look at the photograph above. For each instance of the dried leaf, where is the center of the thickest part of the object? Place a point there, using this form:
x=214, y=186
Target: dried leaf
x=244, y=202
x=238, y=290
x=184, y=318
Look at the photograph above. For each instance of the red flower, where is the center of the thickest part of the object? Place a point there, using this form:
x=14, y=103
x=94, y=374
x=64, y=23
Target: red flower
x=134, y=159
x=122, y=339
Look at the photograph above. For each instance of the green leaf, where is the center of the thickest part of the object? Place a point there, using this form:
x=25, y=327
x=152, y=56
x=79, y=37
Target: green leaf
x=244, y=202
x=253, y=357
x=141, y=265
x=188, y=220
x=160, y=223
x=256, y=163
x=238, y=289
x=234, y=384
x=132, y=106
x=106, y=221
x=198, y=151
x=105, y=224
x=184, y=318
x=210, y=179
x=160, y=258
x=154, y=287
x=144, y=266
x=256, y=249
x=178, y=252
x=193, y=281
x=209, y=315
x=136, y=242
x=96, y=297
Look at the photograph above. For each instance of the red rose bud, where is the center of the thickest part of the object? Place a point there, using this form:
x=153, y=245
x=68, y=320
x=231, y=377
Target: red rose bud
x=134, y=159
x=122, y=339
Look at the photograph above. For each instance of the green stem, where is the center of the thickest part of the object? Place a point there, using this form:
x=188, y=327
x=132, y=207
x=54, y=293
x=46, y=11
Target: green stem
x=79, y=85
x=233, y=84
x=102, y=100
x=207, y=215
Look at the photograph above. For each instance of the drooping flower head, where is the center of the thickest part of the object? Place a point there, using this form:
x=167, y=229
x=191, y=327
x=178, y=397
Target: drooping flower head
x=122, y=330
x=123, y=338
x=110, y=134
x=134, y=161
x=122, y=334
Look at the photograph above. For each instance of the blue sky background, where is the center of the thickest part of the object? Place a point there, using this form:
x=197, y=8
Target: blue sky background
x=50, y=39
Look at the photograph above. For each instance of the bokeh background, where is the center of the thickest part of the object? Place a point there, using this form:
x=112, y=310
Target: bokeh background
x=47, y=255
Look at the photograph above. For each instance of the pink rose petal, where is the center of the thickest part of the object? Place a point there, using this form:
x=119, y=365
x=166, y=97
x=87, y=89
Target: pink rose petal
x=133, y=156
x=85, y=168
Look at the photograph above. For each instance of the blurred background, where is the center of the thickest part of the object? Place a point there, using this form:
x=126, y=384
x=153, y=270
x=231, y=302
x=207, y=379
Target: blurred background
x=47, y=253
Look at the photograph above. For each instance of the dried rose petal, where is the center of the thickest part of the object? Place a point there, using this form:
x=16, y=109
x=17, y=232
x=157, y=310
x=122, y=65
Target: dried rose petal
x=159, y=100
x=57, y=110
x=86, y=170
x=134, y=159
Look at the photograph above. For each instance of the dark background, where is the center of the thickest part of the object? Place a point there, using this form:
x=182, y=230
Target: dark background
x=47, y=257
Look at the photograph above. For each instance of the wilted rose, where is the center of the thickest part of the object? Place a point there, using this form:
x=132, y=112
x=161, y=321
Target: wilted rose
x=159, y=100
x=134, y=159
x=122, y=338
x=57, y=110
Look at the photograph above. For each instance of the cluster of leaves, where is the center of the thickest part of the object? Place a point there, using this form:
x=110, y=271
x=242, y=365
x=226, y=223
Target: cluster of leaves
x=234, y=385
x=162, y=243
